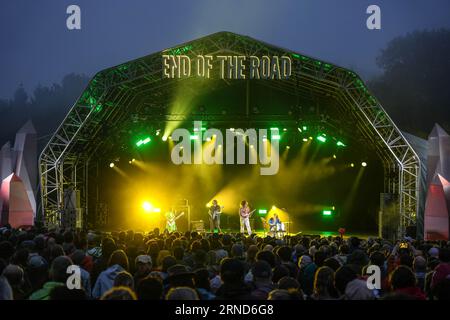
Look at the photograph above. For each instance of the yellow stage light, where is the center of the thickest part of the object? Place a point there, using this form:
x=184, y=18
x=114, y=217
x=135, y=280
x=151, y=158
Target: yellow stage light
x=147, y=206
x=111, y=165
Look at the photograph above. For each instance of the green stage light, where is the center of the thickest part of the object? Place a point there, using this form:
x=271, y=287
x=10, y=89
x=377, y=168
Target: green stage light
x=305, y=140
x=327, y=212
x=304, y=128
x=340, y=144
x=276, y=137
x=143, y=141
x=194, y=137
x=299, y=130
x=284, y=129
x=164, y=138
x=262, y=211
x=321, y=138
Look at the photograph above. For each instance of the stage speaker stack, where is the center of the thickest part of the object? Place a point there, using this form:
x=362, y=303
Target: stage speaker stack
x=388, y=219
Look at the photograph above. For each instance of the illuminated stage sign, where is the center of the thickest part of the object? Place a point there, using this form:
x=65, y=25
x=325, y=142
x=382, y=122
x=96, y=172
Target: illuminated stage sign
x=230, y=67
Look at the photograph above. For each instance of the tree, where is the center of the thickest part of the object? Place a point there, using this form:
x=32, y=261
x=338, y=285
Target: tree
x=47, y=107
x=415, y=85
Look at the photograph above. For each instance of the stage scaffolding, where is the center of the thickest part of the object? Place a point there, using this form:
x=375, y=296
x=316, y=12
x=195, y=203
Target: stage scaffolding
x=116, y=93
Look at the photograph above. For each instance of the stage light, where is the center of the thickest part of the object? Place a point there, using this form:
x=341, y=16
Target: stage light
x=334, y=156
x=304, y=128
x=143, y=141
x=310, y=138
x=251, y=146
x=364, y=164
x=147, y=206
x=321, y=138
x=158, y=132
x=288, y=147
x=273, y=129
x=327, y=212
x=194, y=137
x=156, y=209
x=164, y=138
x=305, y=140
x=299, y=130
x=111, y=165
x=274, y=207
x=262, y=211
x=208, y=205
x=284, y=129
x=340, y=144
x=352, y=164
x=232, y=129
x=208, y=139
x=276, y=137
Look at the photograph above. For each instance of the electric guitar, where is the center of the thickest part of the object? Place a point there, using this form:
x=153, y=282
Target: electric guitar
x=247, y=215
x=171, y=224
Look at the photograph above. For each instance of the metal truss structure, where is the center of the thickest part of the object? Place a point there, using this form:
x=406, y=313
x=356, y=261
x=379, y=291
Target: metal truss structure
x=136, y=89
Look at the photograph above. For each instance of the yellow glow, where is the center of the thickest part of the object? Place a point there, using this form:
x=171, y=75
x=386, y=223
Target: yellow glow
x=147, y=206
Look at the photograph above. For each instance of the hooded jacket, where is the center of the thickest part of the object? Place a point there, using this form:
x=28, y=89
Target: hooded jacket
x=105, y=280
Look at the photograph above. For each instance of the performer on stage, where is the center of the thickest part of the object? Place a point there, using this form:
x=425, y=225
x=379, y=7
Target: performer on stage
x=171, y=218
x=214, y=216
x=245, y=213
x=275, y=226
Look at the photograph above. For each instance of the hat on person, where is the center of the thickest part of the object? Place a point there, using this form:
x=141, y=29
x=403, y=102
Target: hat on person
x=143, y=258
x=434, y=252
x=178, y=270
x=37, y=261
x=262, y=269
x=357, y=290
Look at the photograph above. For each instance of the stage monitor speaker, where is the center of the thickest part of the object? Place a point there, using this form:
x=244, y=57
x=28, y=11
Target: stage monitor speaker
x=198, y=226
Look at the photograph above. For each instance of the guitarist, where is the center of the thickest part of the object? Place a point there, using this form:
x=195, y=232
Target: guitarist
x=214, y=215
x=171, y=218
x=244, y=213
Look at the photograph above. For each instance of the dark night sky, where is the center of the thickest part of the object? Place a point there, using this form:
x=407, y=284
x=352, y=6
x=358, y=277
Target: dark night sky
x=36, y=46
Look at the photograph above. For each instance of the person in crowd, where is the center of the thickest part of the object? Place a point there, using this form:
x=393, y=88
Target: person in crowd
x=232, y=273
x=143, y=267
x=404, y=281
x=15, y=276
x=58, y=277
x=283, y=294
x=324, y=284
x=117, y=263
x=119, y=293
x=150, y=288
x=124, y=279
x=420, y=271
x=78, y=257
x=262, y=280
x=442, y=270
x=182, y=293
x=202, y=284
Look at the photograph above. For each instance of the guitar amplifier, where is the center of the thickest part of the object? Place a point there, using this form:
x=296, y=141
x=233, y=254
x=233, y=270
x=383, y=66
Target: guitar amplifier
x=198, y=226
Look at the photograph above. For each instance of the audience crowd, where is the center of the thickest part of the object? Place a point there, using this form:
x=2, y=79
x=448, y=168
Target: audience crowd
x=127, y=265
